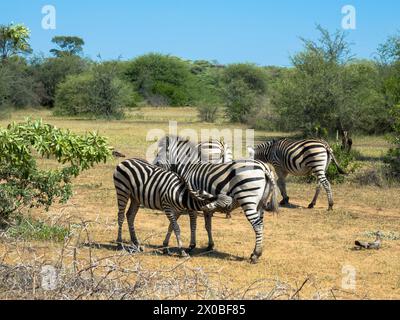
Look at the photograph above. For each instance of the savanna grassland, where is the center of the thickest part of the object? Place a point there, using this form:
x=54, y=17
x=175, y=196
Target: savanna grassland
x=306, y=251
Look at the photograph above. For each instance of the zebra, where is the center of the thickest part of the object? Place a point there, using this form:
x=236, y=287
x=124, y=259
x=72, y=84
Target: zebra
x=215, y=151
x=249, y=182
x=143, y=183
x=298, y=157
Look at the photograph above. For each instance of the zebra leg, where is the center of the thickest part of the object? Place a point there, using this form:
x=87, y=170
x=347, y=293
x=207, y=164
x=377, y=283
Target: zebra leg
x=122, y=202
x=255, y=218
x=282, y=187
x=193, y=227
x=173, y=221
x=327, y=186
x=168, y=236
x=208, y=225
x=130, y=217
x=314, y=200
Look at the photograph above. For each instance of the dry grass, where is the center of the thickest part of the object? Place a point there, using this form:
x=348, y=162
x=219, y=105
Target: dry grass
x=302, y=246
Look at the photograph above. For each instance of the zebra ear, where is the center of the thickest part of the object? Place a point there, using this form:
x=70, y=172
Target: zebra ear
x=250, y=150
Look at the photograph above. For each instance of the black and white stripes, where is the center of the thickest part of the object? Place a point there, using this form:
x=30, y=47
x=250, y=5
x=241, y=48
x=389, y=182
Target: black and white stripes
x=249, y=182
x=299, y=157
x=142, y=183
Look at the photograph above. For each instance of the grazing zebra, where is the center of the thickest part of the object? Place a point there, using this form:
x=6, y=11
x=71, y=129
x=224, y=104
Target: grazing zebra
x=249, y=182
x=299, y=157
x=143, y=183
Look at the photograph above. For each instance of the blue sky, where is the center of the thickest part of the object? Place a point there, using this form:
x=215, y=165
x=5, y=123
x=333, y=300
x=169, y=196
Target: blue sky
x=263, y=32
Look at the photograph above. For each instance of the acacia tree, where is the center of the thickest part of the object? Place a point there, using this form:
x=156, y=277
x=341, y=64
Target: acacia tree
x=68, y=46
x=13, y=40
x=24, y=183
x=327, y=90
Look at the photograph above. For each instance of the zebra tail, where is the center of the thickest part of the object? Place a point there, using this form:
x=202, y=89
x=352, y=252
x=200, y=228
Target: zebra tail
x=273, y=205
x=340, y=170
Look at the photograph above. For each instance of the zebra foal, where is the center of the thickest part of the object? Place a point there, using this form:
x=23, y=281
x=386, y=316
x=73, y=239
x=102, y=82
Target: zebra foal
x=247, y=182
x=140, y=182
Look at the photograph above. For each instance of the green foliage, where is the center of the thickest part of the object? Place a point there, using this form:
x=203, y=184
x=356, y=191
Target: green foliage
x=69, y=46
x=17, y=85
x=328, y=90
x=393, y=156
x=98, y=92
x=29, y=229
x=244, y=87
x=208, y=112
x=50, y=72
x=13, y=40
x=346, y=160
x=23, y=183
x=160, y=78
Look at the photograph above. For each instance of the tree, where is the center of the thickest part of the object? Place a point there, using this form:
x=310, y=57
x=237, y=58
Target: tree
x=327, y=90
x=161, y=78
x=69, y=46
x=98, y=92
x=23, y=183
x=18, y=87
x=50, y=72
x=14, y=40
x=244, y=87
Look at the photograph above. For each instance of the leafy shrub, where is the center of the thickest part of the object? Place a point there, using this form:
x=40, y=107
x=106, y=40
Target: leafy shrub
x=50, y=72
x=157, y=75
x=393, y=156
x=208, y=112
x=17, y=86
x=98, y=92
x=28, y=228
x=346, y=160
x=23, y=183
x=244, y=86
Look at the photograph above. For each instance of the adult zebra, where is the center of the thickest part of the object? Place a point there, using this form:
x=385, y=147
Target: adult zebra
x=143, y=183
x=249, y=182
x=299, y=157
x=215, y=151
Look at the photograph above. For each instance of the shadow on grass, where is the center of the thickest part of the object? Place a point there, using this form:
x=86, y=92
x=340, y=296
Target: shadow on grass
x=158, y=250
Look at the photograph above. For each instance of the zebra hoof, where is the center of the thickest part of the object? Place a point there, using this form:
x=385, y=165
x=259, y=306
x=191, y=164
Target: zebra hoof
x=210, y=248
x=228, y=216
x=167, y=252
x=183, y=253
x=311, y=205
x=330, y=208
x=284, y=202
x=253, y=259
x=119, y=246
x=191, y=247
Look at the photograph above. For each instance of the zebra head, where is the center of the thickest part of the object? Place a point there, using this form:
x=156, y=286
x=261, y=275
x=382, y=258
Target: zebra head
x=175, y=152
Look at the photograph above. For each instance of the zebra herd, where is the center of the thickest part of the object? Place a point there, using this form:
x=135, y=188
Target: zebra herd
x=189, y=177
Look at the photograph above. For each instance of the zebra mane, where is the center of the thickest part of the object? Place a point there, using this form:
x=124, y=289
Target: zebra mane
x=174, y=147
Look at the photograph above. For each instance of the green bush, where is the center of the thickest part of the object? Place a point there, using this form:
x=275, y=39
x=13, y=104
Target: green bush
x=157, y=75
x=99, y=93
x=28, y=228
x=23, y=183
x=50, y=72
x=347, y=161
x=244, y=87
x=17, y=85
x=208, y=112
x=393, y=156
